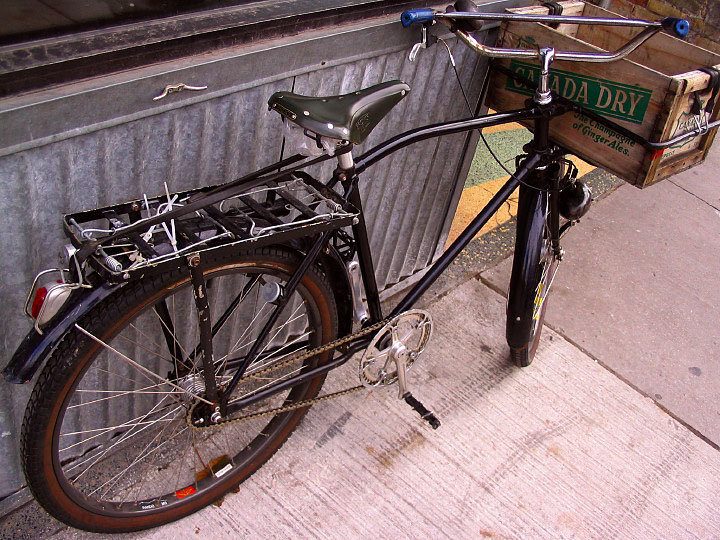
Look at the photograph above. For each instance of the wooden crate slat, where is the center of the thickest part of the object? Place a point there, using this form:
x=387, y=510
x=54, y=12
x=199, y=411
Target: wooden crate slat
x=663, y=53
x=569, y=8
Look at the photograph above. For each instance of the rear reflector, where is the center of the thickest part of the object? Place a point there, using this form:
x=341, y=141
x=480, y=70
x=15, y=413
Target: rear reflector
x=40, y=295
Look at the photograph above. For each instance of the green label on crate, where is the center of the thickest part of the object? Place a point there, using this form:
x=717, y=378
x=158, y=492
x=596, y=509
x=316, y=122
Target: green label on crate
x=613, y=99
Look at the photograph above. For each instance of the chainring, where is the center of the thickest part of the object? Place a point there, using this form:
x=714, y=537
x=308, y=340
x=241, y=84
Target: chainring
x=410, y=332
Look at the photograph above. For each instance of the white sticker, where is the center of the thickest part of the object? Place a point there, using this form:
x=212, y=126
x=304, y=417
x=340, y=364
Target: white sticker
x=224, y=470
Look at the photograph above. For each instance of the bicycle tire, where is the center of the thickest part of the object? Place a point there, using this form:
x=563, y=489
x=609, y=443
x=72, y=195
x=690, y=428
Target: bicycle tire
x=92, y=471
x=533, y=269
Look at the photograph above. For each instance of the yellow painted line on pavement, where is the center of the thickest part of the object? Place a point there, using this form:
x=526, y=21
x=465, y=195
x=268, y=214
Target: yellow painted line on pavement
x=474, y=198
x=504, y=127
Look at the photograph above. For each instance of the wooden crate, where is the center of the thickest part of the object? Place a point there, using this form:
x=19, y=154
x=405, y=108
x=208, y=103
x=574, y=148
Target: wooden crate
x=650, y=93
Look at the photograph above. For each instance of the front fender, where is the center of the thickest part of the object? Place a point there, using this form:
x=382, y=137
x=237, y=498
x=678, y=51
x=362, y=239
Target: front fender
x=36, y=347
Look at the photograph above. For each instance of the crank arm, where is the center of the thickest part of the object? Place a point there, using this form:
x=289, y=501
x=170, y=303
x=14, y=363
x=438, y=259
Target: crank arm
x=426, y=414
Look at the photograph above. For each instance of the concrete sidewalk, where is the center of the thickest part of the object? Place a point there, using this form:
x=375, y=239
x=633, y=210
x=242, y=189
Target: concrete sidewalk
x=638, y=291
x=574, y=446
x=563, y=449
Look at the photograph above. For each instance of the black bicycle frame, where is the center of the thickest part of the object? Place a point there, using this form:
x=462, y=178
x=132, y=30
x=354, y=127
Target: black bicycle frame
x=538, y=157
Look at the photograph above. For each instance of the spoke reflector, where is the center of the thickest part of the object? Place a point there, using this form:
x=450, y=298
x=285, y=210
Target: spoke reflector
x=185, y=492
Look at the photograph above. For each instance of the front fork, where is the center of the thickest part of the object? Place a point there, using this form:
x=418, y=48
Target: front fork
x=553, y=220
x=548, y=177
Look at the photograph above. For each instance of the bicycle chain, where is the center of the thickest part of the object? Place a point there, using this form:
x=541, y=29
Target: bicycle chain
x=290, y=361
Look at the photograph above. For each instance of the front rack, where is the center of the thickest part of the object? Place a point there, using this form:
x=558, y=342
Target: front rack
x=270, y=213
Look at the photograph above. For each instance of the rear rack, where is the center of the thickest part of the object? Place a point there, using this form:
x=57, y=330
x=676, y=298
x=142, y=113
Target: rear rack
x=270, y=213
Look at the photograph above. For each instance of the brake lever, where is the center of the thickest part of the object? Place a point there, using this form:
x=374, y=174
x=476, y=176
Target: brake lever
x=426, y=41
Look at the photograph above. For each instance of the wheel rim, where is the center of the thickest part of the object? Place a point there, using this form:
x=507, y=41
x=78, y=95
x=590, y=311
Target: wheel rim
x=147, y=459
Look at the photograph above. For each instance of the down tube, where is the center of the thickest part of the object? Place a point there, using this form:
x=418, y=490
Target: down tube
x=468, y=234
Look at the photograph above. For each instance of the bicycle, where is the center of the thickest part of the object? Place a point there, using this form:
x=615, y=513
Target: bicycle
x=201, y=325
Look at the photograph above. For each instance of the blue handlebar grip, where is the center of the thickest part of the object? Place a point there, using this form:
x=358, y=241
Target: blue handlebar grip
x=679, y=27
x=414, y=16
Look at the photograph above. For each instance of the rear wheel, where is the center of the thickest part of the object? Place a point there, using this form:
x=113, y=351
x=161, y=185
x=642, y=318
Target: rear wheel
x=534, y=266
x=107, y=445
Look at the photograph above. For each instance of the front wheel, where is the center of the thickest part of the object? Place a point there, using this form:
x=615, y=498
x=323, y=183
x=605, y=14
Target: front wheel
x=534, y=266
x=108, y=442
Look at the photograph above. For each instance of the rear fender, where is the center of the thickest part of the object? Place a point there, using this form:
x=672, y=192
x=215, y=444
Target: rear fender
x=35, y=347
x=332, y=264
x=340, y=281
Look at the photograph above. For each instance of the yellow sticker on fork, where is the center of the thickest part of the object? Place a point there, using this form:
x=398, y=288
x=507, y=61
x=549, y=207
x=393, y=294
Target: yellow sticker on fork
x=538, y=302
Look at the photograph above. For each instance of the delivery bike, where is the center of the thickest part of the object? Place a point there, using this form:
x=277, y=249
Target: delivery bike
x=191, y=331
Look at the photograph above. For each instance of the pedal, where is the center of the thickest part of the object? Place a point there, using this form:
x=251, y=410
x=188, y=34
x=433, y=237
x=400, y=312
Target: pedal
x=419, y=408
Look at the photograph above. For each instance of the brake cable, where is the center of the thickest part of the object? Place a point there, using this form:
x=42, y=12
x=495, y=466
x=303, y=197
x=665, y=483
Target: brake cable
x=483, y=91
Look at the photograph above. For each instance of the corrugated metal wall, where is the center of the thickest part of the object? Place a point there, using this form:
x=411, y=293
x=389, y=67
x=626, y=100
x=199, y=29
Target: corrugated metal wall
x=69, y=164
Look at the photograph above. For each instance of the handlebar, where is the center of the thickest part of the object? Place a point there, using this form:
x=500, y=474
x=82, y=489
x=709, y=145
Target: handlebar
x=678, y=27
x=417, y=16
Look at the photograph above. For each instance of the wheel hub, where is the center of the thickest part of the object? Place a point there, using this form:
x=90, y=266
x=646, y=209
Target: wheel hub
x=193, y=384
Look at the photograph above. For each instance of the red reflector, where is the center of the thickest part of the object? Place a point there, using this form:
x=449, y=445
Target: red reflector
x=658, y=154
x=38, y=302
x=185, y=492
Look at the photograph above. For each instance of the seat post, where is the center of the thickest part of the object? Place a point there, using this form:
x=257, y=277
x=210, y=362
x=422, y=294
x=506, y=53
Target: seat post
x=345, y=161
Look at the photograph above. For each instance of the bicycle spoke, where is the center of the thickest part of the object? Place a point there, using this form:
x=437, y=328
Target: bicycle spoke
x=140, y=457
x=117, y=394
x=168, y=328
x=123, y=438
x=266, y=361
x=249, y=343
x=138, y=366
x=250, y=325
x=273, y=381
x=147, y=349
x=230, y=310
x=280, y=329
x=102, y=431
x=123, y=377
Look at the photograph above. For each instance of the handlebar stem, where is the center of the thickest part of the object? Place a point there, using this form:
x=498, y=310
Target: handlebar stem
x=542, y=95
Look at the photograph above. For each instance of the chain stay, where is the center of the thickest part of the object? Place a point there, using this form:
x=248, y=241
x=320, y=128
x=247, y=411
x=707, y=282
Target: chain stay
x=290, y=361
